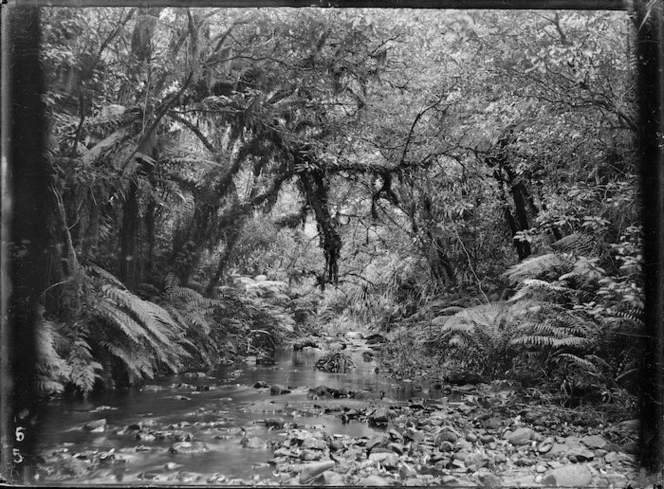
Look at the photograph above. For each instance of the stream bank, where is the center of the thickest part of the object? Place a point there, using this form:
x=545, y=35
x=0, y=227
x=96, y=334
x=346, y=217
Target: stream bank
x=269, y=424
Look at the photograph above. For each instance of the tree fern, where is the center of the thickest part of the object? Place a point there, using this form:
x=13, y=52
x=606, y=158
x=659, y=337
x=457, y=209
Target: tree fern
x=141, y=334
x=135, y=361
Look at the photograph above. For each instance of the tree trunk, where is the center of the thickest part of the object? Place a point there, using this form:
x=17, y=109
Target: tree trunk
x=233, y=235
x=128, y=240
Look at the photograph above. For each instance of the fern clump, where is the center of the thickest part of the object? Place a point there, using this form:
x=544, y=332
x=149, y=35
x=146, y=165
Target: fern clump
x=570, y=319
x=476, y=338
x=140, y=334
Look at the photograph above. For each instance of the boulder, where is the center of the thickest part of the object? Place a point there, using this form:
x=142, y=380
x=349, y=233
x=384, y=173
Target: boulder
x=368, y=395
x=312, y=471
x=307, y=342
x=188, y=447
x=333, y=479
x=375, y=338
x=96, y=426
x=594, y=441
x=574, y=475
x=579, y=454
x=254, y=443
x=520, y=436
x=490, y=480
x=337, y=346
x=380, y=417
x=278, y=389
x=476, y=460
x=612, y=457
x=276, y=423
x=195, y=375
x=463, y=378
x=373, y=480
x=354, y=335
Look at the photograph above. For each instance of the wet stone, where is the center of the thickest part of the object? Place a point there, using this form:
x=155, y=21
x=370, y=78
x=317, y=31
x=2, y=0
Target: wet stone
x=278, y=389
x=311, y=455
x=275, y=423
x=314, y=443
x=188, y=447
x=310, y=472
x=96, y=426
x=254, y=443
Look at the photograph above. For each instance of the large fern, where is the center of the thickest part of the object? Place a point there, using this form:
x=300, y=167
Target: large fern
x=476, y=338
x=563, y=320
x=140, y=334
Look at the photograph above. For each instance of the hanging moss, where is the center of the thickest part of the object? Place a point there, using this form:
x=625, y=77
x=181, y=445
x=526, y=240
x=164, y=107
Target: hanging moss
x=314, y=185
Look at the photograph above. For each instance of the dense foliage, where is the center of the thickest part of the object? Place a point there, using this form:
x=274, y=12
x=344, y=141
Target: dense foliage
x=374, y=168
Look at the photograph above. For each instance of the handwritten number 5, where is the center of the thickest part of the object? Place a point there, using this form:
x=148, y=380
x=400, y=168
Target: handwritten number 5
x=18, y=458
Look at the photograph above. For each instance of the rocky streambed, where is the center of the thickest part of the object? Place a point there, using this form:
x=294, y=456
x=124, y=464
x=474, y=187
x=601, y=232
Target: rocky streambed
x=282, y=425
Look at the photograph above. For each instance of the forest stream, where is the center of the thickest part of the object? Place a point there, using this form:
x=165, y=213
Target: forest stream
x=210, y=408
x=264, y=424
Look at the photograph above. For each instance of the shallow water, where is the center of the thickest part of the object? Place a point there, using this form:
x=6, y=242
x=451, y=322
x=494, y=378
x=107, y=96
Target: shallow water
x=213, y=417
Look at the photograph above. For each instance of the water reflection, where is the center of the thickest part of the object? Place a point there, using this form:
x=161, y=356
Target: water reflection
x=230, y=393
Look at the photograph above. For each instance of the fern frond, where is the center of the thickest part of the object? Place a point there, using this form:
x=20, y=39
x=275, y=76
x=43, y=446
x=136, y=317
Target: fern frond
x=46, y=385
x=118, y=318
x=83, y=368
x=571, y=341
x=108, y=277
x=137, y=364
x=581, y=362
x=533, y=340
x=49, y=362
x=576, y=243
x=148, y=315
x=189, y=297
x=540, y=289
x=196, y=319
x=550, y=264
x=171, y=280
x=633, y=314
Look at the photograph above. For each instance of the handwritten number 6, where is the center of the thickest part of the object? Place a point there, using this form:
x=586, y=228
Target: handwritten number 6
x=20, y=436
